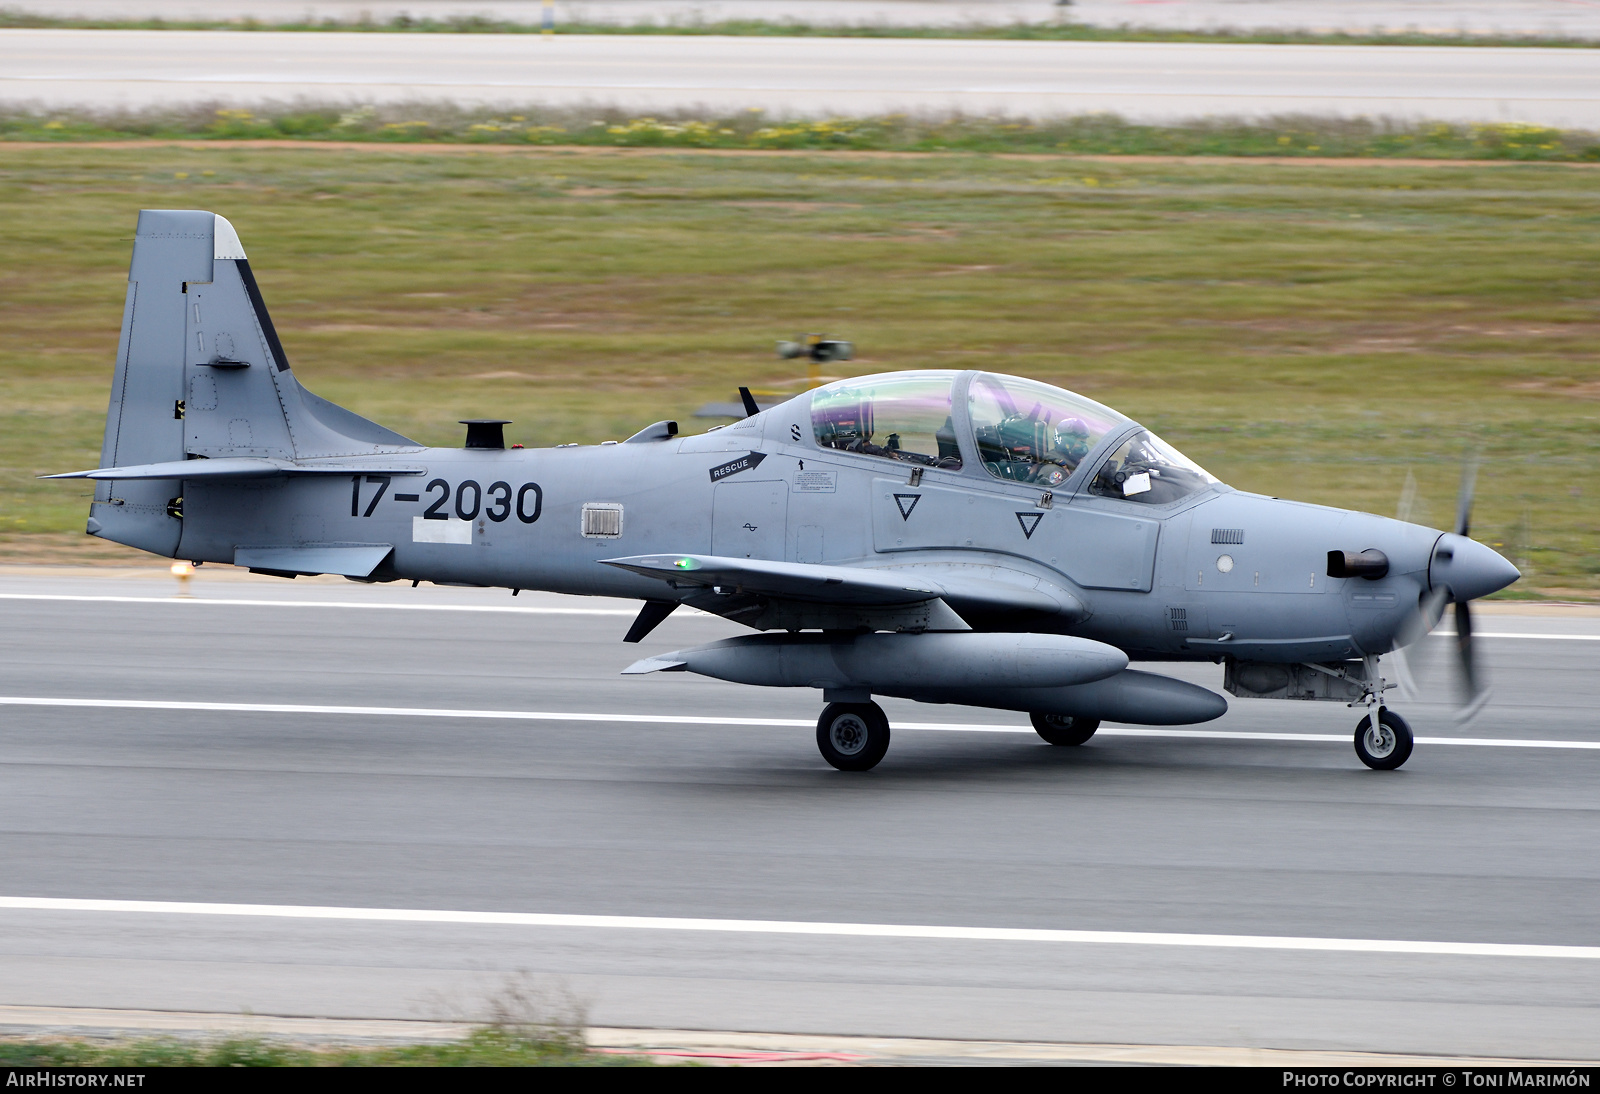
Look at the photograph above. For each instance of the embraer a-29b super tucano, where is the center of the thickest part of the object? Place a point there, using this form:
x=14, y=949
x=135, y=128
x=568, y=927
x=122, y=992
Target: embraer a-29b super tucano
x=947, y=537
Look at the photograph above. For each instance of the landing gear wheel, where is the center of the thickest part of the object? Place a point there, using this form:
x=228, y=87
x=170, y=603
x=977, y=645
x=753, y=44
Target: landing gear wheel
x=1063, y=729
x=853, y=736
x=1386, y=747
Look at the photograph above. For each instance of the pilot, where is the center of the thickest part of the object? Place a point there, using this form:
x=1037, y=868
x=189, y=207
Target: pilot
x=1072, y=442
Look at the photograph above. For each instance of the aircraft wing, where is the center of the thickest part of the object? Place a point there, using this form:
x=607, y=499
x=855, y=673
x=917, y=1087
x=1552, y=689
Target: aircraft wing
x=237, y=467
x=788, y=580
x=848, y=585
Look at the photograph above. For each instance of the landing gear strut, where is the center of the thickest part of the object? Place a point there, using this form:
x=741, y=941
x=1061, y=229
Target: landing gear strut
x=853, y=736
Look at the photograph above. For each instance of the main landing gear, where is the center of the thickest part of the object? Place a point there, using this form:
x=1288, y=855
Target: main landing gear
x=853, y=736
x=1063, y=729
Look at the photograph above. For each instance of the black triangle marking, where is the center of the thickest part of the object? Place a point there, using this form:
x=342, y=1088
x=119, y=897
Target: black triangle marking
x=907, y=502
x=1029, y=522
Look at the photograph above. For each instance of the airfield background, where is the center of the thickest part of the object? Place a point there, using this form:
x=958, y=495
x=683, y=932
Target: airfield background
x=1318, y=332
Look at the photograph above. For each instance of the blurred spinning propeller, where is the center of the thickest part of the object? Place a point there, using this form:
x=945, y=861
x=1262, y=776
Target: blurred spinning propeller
x=1460, y=571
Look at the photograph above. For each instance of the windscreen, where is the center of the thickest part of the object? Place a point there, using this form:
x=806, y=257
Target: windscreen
x=1146, y=469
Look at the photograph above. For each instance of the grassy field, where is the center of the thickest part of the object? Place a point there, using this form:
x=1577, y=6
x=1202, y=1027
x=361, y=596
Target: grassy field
x=1286, y=137
x=482, y=1050
x=1310, y=331
x=485, y=1047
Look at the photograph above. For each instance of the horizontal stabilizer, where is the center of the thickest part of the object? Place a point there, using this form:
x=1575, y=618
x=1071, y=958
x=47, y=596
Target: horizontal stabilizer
x=848, y=585
x=348, y=559
x=239, y=467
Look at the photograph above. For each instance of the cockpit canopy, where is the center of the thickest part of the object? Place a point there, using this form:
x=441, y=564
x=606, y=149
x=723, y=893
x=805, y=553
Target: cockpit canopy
x=1021, y=430
x=1034, y=433
x=898, y=415
x=1147, y=469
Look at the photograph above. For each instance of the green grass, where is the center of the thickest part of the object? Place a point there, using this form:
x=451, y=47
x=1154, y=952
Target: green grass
x=1314, y=332
x=1284, y=137
x=1059, y=31
x=486, y=1047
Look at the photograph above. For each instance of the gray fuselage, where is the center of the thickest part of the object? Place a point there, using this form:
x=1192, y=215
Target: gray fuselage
x=1217, y=572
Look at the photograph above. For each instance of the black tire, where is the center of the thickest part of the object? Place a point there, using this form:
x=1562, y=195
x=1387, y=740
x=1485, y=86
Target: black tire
x=1388, y=748
x=1063, y=729
x=853, y=736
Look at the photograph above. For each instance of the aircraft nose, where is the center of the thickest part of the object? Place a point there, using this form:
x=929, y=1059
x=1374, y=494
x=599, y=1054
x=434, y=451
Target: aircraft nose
x=1469, y=568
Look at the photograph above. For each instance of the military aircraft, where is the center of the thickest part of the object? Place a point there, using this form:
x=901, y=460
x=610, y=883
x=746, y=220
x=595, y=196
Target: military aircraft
x=946, y=537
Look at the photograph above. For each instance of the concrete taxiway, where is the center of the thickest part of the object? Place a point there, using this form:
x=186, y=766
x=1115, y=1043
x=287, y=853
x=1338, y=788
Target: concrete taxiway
x=288, y=798
x=801, y=76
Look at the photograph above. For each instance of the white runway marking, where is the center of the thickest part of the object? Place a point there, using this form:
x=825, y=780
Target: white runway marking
x=1519, y=634
x=801, y=927
x=714, y=720
x=531, y=610
x=516, y=609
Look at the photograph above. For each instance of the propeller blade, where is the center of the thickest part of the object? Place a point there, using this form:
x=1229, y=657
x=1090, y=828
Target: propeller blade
x=1469, y=483
x=1408, y=498
x=1464, y=645
x=1434, y=605
x=1402, y=674
x=1430, y=609
x=1474, y=694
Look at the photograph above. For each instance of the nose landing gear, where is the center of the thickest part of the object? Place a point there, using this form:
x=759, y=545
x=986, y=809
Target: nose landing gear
x=1383, y=739
x=1386, y=745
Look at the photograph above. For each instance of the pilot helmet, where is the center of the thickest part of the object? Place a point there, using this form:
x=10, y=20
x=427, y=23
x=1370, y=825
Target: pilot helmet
x=1072, y=438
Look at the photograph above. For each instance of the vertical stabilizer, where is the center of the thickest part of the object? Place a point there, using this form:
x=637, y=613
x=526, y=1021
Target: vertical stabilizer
x=201, y=373
x=144, y=424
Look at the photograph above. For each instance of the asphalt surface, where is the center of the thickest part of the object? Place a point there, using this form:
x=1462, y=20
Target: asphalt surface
x=626, y=817
x=808, y=76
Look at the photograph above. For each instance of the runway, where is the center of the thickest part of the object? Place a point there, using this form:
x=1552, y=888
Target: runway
x=689, y=862
x=801, y=76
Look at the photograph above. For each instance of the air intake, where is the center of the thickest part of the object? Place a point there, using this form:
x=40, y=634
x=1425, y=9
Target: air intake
x=602, y=520
x=1227, y=535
